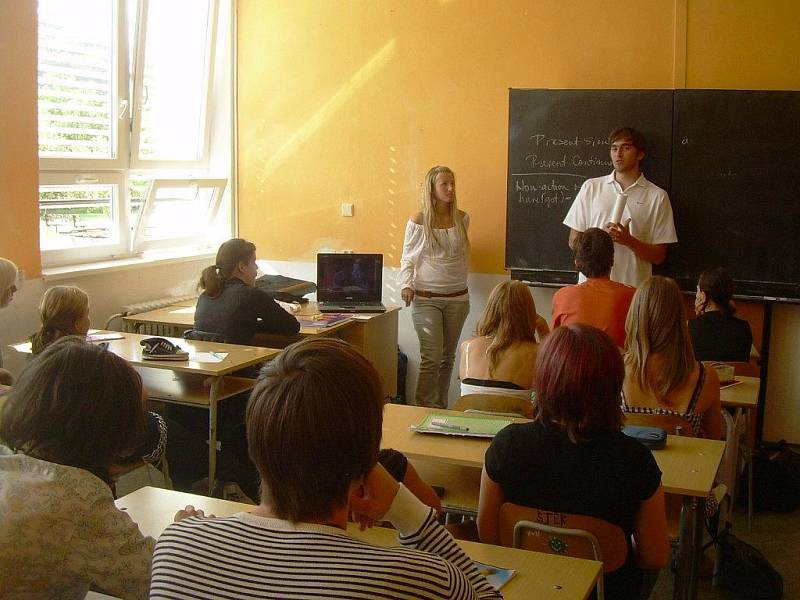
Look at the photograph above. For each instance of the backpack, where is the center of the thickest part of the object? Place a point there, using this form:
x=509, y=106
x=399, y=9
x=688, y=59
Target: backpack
x=744, y=571
x=776, y=478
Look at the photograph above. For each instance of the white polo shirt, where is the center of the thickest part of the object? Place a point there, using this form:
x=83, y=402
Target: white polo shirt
x=647, y=207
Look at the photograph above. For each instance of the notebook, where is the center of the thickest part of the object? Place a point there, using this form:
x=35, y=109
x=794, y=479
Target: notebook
x=350, y=283
x=484, y=426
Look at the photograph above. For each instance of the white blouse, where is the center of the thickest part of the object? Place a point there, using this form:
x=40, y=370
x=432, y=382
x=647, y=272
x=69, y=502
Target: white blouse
x=442, y=268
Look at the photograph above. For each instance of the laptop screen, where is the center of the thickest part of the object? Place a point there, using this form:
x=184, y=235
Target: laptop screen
x=349, y=277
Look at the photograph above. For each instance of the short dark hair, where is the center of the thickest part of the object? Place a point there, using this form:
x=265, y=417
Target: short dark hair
x=628, y=133
x=594, y=252
x=717, y=284
x=75, y=404
x=579, y=375
x=314, y=426
x=229, y=255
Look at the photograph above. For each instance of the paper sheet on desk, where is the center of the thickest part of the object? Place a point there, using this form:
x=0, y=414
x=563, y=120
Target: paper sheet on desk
x=186, y=310
x=209, y=357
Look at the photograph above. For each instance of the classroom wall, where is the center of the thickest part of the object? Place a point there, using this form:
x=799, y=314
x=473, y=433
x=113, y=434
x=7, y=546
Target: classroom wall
x=19, y=162
x=345, y=101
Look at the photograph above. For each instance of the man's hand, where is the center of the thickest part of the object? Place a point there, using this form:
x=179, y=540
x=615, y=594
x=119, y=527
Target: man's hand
x=407, y=294
x=621, y=233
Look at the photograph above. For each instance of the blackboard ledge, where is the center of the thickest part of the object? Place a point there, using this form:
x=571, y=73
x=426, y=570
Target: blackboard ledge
x=544, y=278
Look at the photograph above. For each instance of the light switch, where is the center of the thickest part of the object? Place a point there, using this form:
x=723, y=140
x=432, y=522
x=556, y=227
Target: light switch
x=347, y=209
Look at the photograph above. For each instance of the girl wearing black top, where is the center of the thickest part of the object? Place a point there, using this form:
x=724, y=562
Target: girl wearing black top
x=716, y=333
x=231, y=305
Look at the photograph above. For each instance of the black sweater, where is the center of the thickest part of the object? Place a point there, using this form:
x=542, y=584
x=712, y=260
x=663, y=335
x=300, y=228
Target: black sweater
x=717, y=337
x=241, y=311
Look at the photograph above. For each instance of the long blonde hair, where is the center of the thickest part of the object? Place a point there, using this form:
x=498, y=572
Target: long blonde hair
x=60, y=308
x=656, y=325
x=428, y=214
x=509, y=317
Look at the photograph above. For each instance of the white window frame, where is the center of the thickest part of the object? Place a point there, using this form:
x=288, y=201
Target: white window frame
x=140, y=97
x=120, y=130
x=139, y=241
x=67, y=256
x=125, y=164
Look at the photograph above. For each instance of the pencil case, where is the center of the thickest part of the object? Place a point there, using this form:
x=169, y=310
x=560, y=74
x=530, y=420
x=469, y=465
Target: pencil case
x=654, y=438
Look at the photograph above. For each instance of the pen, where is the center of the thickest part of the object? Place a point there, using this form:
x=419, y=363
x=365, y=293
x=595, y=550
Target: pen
x=441, y=423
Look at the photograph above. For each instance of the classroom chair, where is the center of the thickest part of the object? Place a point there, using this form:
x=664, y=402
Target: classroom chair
x=567, y=534
x=495, y=404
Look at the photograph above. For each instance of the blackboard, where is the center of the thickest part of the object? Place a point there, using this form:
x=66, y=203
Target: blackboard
x=729, y=159
x=736, y=189
x=556, y=140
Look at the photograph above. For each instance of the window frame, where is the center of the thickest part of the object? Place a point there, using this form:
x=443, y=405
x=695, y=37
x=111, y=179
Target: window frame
x=202, y=161
x=125, y=166
x=138, y=240
x=120, y=204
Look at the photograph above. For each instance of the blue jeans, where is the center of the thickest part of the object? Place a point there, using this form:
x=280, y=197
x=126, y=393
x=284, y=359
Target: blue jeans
x=438, y=324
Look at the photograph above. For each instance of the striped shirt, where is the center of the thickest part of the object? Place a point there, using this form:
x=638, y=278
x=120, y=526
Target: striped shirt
x=248, y=556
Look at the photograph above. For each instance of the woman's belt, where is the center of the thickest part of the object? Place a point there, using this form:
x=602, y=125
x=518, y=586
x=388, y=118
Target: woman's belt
x=425, y=294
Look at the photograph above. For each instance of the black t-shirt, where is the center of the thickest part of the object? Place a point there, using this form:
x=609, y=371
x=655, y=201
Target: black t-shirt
x=719, y=337
x=240, y=311
x=607, y=477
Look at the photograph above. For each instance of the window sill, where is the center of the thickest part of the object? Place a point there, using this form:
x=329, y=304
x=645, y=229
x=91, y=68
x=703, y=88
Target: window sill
x=149, y=259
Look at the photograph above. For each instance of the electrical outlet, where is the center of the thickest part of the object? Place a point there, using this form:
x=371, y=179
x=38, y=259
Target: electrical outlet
x=347, y=209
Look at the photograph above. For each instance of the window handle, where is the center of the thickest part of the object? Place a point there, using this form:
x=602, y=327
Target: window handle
x=123, y=108
x=86, y=179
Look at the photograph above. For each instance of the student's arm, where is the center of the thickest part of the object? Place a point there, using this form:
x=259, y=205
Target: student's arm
x=381, y=498
x=489, y=503
x=621, y=234
x=417, y=486
x=273, y=318
x=651, y=545
x=462, y=359
x=710, y=404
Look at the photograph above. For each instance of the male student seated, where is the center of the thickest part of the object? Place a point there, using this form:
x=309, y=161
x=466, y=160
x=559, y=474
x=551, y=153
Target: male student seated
x=644, y=227
x=598, y=301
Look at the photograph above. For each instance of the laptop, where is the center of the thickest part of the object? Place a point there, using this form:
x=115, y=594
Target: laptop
x=350, y=283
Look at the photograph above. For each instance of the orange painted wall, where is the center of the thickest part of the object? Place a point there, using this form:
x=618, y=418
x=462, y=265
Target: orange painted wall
x=742, y=44
x=19, y=162
x=346, y=101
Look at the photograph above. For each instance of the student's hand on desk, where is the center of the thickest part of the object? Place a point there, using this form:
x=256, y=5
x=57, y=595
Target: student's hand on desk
x=407, y=294
x=371, y=499
x=189, y=511
x=620, y=232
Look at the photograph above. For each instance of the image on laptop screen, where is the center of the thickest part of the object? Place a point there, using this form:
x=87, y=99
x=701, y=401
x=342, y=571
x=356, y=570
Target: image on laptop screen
x=349, y=277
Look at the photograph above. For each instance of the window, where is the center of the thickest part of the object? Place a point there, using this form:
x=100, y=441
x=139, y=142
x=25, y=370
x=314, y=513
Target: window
x=125, y=116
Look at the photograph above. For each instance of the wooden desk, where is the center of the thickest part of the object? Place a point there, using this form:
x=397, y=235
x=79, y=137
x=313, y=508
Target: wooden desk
x=190, y=382
x=542, y=576
x=743, y=395
x=374, y=334
x=688, y=466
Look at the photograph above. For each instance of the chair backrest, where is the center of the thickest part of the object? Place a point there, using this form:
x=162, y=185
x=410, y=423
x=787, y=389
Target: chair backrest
x=568, y=534
x=495, y=404
x=669, y=423
x=203, y=336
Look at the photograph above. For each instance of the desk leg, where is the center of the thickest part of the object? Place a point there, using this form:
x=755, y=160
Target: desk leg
x=212, y=433
x=689, y=549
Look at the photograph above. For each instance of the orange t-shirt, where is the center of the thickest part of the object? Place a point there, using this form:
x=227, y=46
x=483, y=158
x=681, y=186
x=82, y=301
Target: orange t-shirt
x=599, y=302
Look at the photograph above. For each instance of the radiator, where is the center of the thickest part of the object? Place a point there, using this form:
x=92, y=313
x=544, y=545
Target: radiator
x=151, y=328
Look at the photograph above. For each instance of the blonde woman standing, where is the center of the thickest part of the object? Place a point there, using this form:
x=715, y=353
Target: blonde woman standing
x=433, y=279
x=662, y=375
x=502, y=358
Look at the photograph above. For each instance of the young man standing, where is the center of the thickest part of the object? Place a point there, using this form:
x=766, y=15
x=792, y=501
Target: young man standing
x=598, y=301
x=645, y=226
